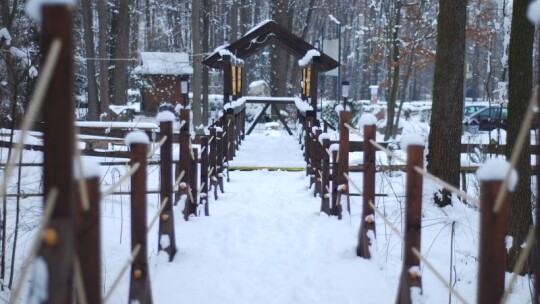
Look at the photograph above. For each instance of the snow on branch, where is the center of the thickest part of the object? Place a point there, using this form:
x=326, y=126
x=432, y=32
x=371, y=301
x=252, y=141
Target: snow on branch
x=4, y=34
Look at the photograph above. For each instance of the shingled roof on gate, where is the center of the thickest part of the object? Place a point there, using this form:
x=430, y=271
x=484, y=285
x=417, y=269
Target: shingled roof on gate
x=266, y=33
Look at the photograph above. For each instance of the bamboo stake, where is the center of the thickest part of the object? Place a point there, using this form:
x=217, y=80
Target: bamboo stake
x=388, y=152
x=355, y=131
x=111, y=189
x=516, y=153
x=134, y=253
x=179, y=179
x=447, y=186
x=386, y=221
x=50, y=203
x=352, y=183
x=34, y=107
x=158, y=213
x=520, y=263
x=438, y=275
x=79, y=282
x=156, y=147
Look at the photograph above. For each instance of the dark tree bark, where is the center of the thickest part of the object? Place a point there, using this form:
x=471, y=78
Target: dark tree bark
x=281, y=12
x=93, y=107
x=445, y=134
x=197, y=62
x=121, y=51
x=520, y=79
x=205, y=70
x=102, y=51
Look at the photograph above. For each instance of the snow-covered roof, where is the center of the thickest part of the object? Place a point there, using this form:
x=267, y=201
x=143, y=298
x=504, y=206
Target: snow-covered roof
x=162, y=63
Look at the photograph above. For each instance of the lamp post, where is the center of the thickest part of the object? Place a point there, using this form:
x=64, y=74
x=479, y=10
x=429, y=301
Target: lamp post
x=345, y=93
x=184, y=89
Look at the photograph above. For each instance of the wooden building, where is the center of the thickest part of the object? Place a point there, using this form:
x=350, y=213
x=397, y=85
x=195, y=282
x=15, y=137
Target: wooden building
x=161, y=74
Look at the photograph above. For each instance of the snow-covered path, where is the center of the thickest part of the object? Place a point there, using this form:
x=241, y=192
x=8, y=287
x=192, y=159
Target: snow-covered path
x=265, y=242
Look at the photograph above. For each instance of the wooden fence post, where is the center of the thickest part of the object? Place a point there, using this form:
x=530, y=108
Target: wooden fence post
x=336, y=206
x=220, y=157
x=139, y=288
x=191, y=203
x=243, y=123
x=204, y=174
x=492, y=252
x=229, y=127
x=166, y=223
x=308, y=124
x=212, y=155
x=410, y=274
x=367, y=221
x=88, y=235
x=344, y=117
x=325, y=197
x=183, y=161
x=58, y=252
x=316, y=163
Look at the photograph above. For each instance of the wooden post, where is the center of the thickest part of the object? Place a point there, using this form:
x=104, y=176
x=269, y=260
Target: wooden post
x=336, y=206
x=243, y=123
x=492, y=253
x=213, y=162
x=313, y=86
x=58, y=109
x=536, y=259
x=191, y=205
x=139, y=288
x=183, y=161
x=316, y=164
x=229, y=127
x=204, y=174
x=344, y=117
x=166, y=223
x=227, y=78
x=325, y=197
x=308, y=124
x=410, y=276
x=220, y=156
x=367, y=221
x=88, y=238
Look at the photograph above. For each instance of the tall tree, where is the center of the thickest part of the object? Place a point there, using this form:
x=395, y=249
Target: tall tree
x=197, y=62
x=121, y=53
x=103, y=54
x=93, y=108
x=282, y=12
x=445, y=127
x=520, y=77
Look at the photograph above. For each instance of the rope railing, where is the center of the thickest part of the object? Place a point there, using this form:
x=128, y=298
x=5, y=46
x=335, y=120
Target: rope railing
x=113, y=188
x=179, y=179
x=158, y=213
x=123, y=270
x=50, y=203
x=34, y=107
x=156, y=147
x=516, y=152
x=447, y=186
x=352, y=129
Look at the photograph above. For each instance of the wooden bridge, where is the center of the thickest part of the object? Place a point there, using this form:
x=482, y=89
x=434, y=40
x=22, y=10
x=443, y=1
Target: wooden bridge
x=68, y=240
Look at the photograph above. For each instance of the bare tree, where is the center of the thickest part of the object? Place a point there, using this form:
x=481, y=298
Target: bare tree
x=103, y=54
x=445, y=133
x=93, y=109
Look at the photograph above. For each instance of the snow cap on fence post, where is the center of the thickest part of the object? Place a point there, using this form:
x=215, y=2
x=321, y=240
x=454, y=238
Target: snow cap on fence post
x=165, y=116
x=495, y=169
x=90, y=169
x=367, y=119
x=533, y=12
x=33, y=7
x=136, y=137
x=411, y=140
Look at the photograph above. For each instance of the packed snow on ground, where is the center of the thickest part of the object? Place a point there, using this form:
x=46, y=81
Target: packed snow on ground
x=266, y=241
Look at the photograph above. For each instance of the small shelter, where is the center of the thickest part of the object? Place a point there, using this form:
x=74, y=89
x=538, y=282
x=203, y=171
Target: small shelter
x=229, y=58
x=162, y=74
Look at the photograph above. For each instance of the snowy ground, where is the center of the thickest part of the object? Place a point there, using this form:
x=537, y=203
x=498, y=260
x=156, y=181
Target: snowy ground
x=266, y=242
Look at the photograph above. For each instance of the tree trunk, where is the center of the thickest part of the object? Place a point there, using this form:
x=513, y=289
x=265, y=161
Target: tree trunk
x=197, y=63
x=93, y=106
x=520, y=57
x=395, y=67
x=120, y=80
x=205, y=70
x=445, y=134
x=102, y=50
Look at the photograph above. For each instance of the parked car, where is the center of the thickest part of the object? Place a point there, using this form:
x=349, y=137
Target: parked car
x=487, y=119
x=471, y=108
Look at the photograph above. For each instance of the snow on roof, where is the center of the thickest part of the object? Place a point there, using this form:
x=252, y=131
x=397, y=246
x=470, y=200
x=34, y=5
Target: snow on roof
x=257, y=83
x=308, y=57
x=235, y=103
x=262, y=23
x=495, y=169
x=162, y=63
x=136, y=137
x=4, y=34
x=33, y=7
x=533, y=12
